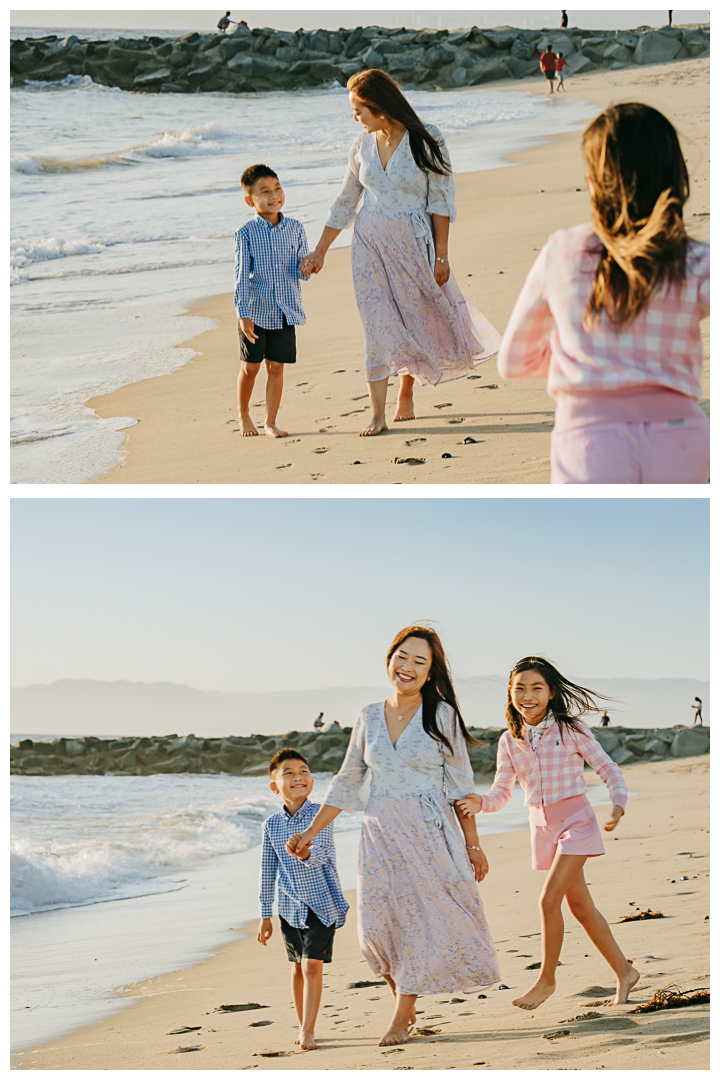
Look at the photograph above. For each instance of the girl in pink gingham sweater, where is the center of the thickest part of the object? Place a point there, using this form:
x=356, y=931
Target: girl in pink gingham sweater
x=611, y=311
x=546, y=749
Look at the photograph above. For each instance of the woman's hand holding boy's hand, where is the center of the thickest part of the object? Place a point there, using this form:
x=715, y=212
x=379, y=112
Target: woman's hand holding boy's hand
x=616, y=814
x=299, y=844
x=312, y=263
x=470, y=805
x=248, y=328
x=265, y=931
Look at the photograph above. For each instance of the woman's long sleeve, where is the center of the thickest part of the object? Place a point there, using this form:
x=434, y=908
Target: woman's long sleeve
x=345, y=791
x=525, y=349
x=344, y=209
x=457, y=770
x=441, y=187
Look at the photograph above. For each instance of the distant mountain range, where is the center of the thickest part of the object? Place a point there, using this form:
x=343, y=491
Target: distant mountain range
x=89, y=707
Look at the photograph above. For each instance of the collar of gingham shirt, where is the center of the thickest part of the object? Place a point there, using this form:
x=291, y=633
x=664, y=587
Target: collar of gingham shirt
x=554, y=771
x=267, y=272
x=313, y=883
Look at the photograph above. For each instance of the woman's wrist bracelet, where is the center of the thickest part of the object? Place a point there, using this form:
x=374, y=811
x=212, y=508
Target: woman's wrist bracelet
x=473, y=847
x=438, y=259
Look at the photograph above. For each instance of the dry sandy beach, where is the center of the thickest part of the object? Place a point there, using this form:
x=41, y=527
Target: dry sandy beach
x=188, y=432
x=658, y=860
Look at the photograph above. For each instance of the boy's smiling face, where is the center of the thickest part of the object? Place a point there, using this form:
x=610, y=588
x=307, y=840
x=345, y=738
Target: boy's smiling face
x=267, y=197
x=292, y=782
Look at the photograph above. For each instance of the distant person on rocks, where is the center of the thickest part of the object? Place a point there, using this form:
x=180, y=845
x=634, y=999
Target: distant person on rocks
x=605, y=720
x=611, y=311
x=319, y=720
x=697, y=709
x=398, y=197
x=563, y=21
x=224, y=22
x=548, y=62
x=560, y=65
x=669, y=18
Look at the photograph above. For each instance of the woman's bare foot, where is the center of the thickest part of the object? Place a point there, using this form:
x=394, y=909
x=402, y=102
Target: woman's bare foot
x=404, y=410
x=395, y=1034
x=624, y=986
x=274, y=431
x=538, y=992
x=306, y=1040
x=374, y=427
x=246, y=425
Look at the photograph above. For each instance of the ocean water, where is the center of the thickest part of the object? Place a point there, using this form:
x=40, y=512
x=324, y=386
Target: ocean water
x=116, y=879
x=123, y=209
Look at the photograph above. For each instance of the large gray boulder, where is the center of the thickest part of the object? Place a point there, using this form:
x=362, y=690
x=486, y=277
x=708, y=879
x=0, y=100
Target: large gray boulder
x=623, y=756
x=324, y=71
x=521, y=68
x=438, y=56
x=523, y=50
x=608, y=740
x=153, y=78
x=488, y=71
x=560, y=43
x=503, y=38
x=626, y=38
x=657, y=747
x=371, y=58
x=578, y=62
x=690, y=743
x=618, y=52
x=656, y=48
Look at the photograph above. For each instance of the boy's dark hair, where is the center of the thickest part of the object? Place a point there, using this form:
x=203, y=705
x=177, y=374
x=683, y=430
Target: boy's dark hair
x=559, y=54
x=286, y=754
x=253, y=173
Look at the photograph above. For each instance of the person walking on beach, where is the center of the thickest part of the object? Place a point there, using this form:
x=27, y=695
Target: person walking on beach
x=311, y=904
x=560, y=65
x=416, y=321
x=268, y=252
x=548, y=61
x=421, y=922
x=697, y=709
x=611, y=312
x=545, y=748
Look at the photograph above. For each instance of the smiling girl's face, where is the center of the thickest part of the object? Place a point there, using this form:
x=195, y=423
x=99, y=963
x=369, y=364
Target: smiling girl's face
x=530, y=695
x=409, y=665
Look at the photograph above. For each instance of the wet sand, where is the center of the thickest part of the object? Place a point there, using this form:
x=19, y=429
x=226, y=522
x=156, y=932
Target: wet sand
x=188, y=431
x=657, y=859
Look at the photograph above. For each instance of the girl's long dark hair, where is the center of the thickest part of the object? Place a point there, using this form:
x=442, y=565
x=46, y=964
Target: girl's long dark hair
x=382, y=94
x=640, y=186
x=437, y=688
x=564, y=696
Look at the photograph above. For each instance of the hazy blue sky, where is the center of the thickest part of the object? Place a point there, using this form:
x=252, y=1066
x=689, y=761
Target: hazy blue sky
x=293, y=593
x=295, y=15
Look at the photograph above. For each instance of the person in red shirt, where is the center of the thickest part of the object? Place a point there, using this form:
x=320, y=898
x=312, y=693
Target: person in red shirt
x=548, y=62
x=560, y=65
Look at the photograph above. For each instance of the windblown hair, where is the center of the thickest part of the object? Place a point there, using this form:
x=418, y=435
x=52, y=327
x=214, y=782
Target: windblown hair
x=286, y=754
x=252, y=174
x=438, y=687
x=564, y=696
x=640, y=186
x=382, y=95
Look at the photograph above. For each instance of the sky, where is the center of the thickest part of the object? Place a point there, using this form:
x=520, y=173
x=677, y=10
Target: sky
x=251, y=595
x=295, y=15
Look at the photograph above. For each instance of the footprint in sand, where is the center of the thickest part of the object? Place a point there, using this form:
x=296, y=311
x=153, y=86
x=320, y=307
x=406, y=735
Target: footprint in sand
x=443, y=405
x=182, y=1030
x=260, y=1023
x=340, y=371
x=287, y=465
x=321, y=450
x=184, y=1049
x=457, y=420
x=409, y=442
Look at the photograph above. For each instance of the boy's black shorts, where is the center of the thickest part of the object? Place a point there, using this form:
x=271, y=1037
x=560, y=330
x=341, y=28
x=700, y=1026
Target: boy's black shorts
x=276, y=345
x=315, y=943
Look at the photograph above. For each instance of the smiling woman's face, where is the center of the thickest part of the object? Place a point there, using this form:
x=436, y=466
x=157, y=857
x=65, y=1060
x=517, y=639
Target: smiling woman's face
x=363, y=115
x=409, y=665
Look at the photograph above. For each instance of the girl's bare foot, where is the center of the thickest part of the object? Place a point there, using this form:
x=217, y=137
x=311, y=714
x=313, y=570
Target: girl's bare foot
x=538, y=992
x=274, y=431
x=624, y=986
x=404, y=410
x=374, y=427
x=306, y=1041
x=395, y=1034
x=246, y=425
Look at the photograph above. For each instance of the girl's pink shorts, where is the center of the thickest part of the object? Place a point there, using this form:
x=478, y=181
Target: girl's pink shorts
x=568, y=827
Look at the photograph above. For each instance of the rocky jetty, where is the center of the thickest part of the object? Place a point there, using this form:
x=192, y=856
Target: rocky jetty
x=261, y=59
x=249, y=755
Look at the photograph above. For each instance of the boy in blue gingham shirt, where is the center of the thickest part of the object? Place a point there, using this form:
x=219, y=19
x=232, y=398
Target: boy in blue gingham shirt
x=268, y=253
x=311, y=905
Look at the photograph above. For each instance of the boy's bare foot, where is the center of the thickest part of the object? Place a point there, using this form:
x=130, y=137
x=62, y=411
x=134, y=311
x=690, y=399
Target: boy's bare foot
x=538, y=992
x=246, y=425
x=404, y=410
x=274, y=431
x=395, y=1034
x=374, y=428
x=306, y=1041
x=624, y=986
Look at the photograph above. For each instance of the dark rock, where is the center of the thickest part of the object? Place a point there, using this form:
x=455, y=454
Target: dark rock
x=521, y=68
x=189, y=39
x=438, y=55
x=503, y=38
x=616, y=51
x=153, y=78
x=372, y=58
x=656, y=48
x=198, y=75
x=322, y=71
x=489, y=70
x=690, y=743
x=523, y=50
x=231, y=46
x=624, y=37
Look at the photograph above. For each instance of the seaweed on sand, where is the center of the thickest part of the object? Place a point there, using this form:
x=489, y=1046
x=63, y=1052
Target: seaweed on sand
x=642, y=915
x=674, y=997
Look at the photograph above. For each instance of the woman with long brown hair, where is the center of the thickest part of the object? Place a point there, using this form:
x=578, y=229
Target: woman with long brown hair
x=398, y=195
x=420, y=918
x=611, y=312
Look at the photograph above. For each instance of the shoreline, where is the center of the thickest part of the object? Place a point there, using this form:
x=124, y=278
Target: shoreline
x=667, y=871
x=187, y=431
